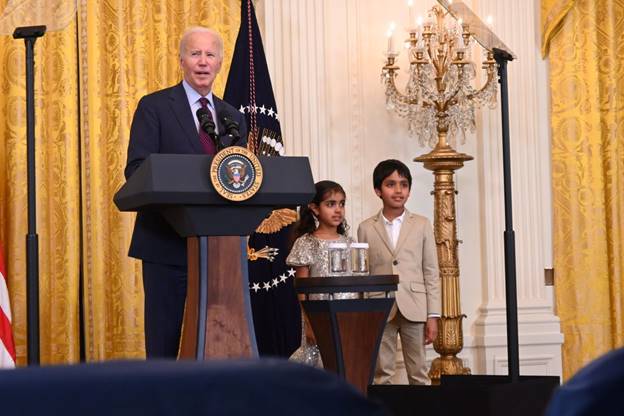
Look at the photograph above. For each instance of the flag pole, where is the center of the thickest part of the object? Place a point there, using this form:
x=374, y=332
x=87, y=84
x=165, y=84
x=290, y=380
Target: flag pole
x=276, y=313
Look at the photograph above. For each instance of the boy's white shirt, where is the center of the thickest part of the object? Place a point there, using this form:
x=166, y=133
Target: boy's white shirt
x=393, y=228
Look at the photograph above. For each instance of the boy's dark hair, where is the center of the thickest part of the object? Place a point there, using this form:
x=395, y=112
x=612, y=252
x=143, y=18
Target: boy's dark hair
x=385, y=169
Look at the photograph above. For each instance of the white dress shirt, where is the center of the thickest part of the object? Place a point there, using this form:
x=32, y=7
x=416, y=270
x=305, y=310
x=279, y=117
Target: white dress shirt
x=393, y=228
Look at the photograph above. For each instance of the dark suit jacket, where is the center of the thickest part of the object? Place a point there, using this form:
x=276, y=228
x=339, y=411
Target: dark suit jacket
x=163, y=123
x=596, y=389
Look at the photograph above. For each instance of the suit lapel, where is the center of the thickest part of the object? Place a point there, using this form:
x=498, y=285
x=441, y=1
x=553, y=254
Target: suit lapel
x=218, y=103
x=408, y=223
x=380, y=228
x=180, y=107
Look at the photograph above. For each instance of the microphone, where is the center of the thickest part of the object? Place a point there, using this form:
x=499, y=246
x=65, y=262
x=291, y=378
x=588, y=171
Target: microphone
x=232, y=128
x=205, y=122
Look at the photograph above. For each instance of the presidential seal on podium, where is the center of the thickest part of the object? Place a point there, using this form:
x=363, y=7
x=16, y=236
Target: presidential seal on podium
x=236, y=173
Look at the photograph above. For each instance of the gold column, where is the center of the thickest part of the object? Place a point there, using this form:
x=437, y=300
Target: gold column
x=443, y=160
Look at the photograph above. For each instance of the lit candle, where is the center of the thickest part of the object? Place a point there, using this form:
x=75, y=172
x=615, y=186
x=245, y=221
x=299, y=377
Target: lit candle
x=390, y=42
x=489, y=20
x=429, y=22
x=460, y=30
x=410, y=5
x=390, y=36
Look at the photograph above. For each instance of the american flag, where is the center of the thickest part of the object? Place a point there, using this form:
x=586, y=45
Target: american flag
x=7, y=346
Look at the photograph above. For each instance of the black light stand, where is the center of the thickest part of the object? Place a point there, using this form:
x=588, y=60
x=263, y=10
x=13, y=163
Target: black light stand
x=30, y=35
x=513, y=355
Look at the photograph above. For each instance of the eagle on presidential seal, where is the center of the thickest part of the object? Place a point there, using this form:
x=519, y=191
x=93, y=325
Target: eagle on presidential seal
x=236, y=172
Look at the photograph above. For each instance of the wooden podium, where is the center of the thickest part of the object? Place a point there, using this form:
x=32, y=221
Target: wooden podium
x=348, y=332
x=217, y=316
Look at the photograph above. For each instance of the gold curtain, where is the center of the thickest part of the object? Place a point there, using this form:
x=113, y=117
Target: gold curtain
x=584, y=41
x=89, y=78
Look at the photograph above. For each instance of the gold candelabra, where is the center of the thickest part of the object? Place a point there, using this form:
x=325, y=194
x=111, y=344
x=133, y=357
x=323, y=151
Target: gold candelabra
x=439, y=103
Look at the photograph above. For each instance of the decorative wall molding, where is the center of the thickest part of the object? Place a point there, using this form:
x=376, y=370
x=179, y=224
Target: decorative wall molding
x=294, y=40
x=533, y=364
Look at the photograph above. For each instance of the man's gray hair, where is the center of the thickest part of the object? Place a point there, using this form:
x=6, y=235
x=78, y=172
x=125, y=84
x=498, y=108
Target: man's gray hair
x=200, y=29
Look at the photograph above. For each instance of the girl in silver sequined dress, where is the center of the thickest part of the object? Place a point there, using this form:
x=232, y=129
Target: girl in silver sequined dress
x=322, y=222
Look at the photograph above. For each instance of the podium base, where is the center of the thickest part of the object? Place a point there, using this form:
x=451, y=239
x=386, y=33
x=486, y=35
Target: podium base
x=217, y=315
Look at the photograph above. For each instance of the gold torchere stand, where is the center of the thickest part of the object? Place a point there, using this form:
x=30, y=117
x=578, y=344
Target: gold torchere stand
x=443, y=160
x=439, y=102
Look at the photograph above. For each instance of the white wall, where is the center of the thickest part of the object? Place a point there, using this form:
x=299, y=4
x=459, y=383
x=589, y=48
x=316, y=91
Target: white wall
x=325, y=59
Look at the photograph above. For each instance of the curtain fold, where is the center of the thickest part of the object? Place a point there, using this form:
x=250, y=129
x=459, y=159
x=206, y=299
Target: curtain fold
x=552, y=14
x=58, y=197
x=89, y=77
x=587, y=119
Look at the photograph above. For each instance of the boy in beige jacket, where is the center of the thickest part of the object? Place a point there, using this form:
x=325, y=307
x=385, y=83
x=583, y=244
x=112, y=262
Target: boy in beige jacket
x=403, y=243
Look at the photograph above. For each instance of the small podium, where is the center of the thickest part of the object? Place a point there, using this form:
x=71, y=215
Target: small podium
x=217, y=316
x=348, y=331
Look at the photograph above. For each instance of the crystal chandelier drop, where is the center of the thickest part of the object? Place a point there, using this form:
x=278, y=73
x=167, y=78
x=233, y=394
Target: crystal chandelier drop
x=439, y=101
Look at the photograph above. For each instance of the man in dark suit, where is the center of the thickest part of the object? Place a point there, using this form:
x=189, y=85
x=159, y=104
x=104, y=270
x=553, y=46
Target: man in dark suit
x=165, y=122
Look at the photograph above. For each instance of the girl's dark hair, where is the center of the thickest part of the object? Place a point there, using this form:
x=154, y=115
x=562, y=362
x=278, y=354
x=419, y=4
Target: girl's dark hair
x=306, y=221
